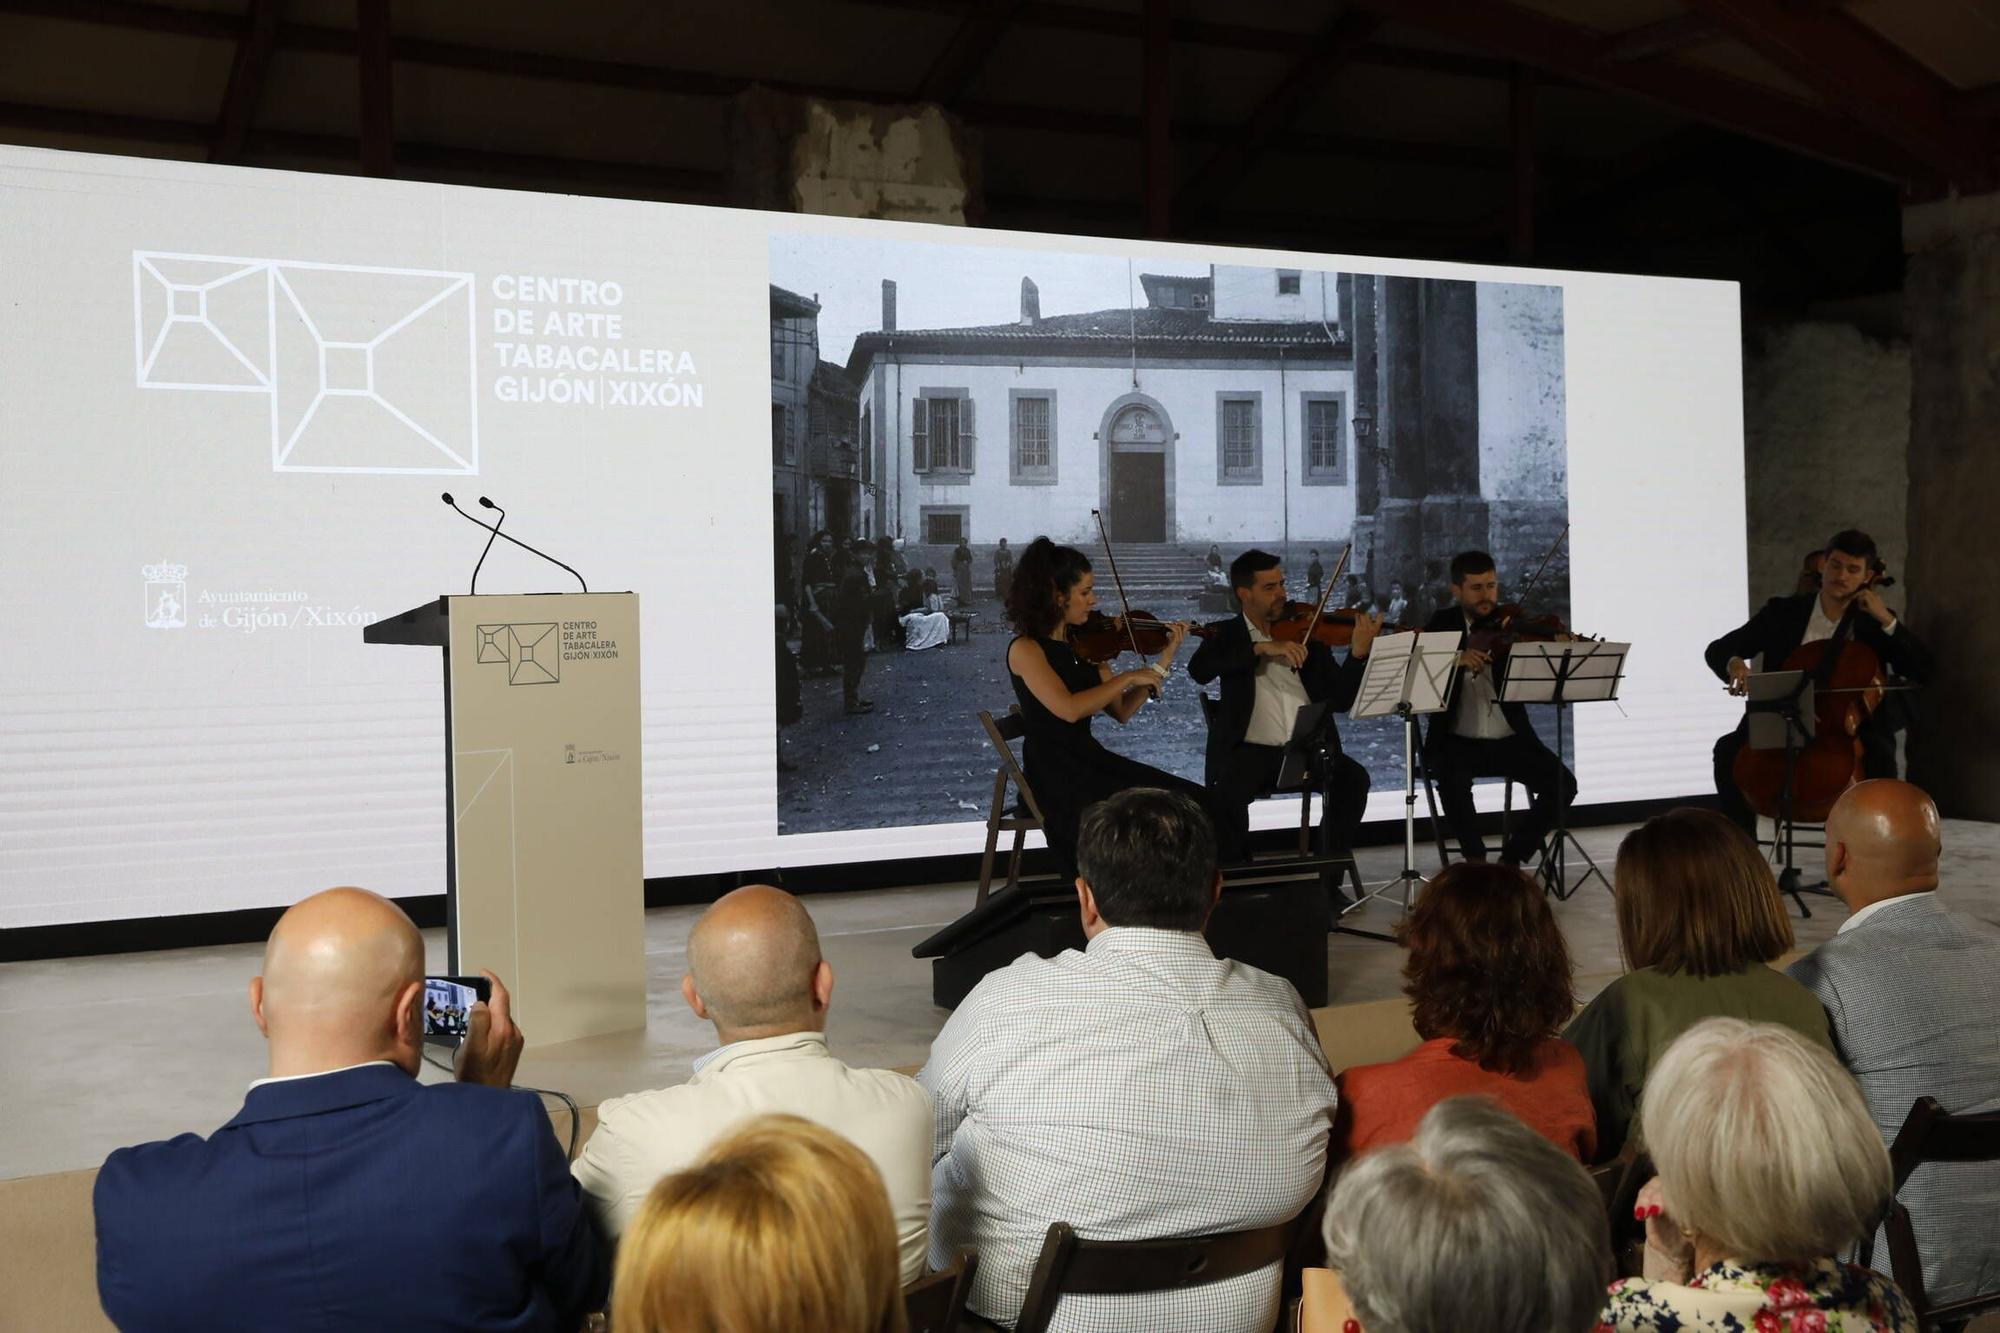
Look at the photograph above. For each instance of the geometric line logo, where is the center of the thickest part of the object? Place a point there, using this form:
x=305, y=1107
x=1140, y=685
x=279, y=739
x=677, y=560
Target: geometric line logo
x=366, y=369
x=530, y=652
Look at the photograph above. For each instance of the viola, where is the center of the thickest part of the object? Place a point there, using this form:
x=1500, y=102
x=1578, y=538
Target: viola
x=1101, y=638
x=1335, y=629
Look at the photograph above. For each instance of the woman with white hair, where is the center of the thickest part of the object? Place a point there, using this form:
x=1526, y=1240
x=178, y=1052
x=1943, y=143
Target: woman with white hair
x=1478, y=1224
x=1768, y=1167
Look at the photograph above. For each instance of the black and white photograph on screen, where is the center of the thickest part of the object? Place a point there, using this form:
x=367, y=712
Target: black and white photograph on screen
x=935, y=408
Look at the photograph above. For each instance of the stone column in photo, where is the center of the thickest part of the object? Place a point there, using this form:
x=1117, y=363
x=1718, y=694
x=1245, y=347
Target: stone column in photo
x=1951, y=291
x=1427, y=432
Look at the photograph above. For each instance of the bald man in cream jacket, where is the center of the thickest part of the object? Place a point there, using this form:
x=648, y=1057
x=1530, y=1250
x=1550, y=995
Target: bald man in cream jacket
x=755, y=972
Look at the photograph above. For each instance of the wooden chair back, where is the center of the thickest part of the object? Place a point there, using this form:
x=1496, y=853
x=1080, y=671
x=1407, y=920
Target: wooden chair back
x=1003, y=816
x=1070, y=1265
x=1931, y=1134
x=936, y=1304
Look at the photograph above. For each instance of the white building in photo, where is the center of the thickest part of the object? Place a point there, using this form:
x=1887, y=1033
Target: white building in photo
x=1222, y=410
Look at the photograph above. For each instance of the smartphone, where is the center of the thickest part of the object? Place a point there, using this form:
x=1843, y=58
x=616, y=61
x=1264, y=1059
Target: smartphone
x=448, y=1006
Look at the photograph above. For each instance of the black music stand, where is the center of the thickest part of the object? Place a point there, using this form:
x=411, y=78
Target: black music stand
x=1778, y=714
x=1564, y=674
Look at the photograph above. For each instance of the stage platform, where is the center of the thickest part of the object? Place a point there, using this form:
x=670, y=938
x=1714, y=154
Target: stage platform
x=101, y=1052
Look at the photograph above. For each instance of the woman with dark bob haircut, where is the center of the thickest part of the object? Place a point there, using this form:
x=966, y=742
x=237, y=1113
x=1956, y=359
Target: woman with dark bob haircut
x=1054, y=590
x=1488, y=978
x=1699, y=920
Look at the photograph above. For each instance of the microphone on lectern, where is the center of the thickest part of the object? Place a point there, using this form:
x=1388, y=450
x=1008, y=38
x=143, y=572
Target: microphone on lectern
x=488, y=504
x=492, y=531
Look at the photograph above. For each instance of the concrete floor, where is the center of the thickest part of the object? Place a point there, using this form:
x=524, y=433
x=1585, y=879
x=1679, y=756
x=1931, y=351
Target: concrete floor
x=101, y=1052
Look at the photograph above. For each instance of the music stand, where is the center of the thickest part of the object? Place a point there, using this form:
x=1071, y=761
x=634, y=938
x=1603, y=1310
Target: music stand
x=1778, y=714
x=1563, y=674
x=1408, y=675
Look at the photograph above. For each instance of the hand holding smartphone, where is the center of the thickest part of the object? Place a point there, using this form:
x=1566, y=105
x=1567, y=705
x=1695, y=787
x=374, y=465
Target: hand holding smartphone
x=448, y=1005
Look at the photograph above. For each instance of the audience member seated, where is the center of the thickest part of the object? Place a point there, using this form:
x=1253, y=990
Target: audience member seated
x=1488, y=978
x=1699, y=917
x=1913, y=992
x=755, y=972
x=345, y=1194
x=781, y=1226
x=1141, y=1088
x=1768, y=1167
x=1478, y=1224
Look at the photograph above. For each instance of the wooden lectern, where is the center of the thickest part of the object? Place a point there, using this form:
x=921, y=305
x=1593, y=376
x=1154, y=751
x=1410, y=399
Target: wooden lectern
x=544, y=873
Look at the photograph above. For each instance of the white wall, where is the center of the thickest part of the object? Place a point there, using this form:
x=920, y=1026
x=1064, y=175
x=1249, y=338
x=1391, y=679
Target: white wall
x=1244, y=293
x=1202, y=509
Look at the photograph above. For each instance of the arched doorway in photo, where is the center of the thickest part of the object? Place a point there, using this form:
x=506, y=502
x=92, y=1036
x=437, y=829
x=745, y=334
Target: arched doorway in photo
x=1138, y=443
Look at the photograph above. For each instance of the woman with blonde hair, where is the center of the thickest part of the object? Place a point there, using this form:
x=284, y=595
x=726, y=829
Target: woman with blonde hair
x=1699, y=920
x=782, y=1226
x=1769, y=1166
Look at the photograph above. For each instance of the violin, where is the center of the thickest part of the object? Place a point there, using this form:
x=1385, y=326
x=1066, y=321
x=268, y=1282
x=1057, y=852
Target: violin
x=1507, y=624
x=1846, y=690
x=1101, y=638
x=1335, y=629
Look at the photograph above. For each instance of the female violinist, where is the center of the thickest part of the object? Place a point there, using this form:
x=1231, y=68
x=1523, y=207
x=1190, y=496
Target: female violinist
x=1863, y=635
x=1053, y=593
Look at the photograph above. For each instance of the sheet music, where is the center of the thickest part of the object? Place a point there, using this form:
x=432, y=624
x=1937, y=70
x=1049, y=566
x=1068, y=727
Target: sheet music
x=1589, y=672
x=1411, y=665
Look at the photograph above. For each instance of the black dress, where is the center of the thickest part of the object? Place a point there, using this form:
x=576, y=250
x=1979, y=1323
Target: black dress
x=1069, y=770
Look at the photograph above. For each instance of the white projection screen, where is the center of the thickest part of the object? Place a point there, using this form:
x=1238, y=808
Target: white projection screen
x=229, y=400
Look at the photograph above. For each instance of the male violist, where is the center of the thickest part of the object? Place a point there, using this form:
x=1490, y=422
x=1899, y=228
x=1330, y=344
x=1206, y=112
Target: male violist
x=1477, y=736
x=1265, y=683
x=1844, y=607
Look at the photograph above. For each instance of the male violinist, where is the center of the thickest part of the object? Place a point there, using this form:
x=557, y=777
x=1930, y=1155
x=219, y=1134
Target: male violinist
x=1264, y=684
x=1846, y=608
x=1478, y=736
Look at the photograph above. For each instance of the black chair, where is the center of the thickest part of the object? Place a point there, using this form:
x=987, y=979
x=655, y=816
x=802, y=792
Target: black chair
x=1022, y=814
x=1070, y=1265
x=1305, y=790
x=936, y=1304
x=1930, y=1134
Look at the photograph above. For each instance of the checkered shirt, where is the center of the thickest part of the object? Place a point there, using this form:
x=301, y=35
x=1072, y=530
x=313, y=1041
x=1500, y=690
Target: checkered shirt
x=1913, y=994
x=1141, y=1089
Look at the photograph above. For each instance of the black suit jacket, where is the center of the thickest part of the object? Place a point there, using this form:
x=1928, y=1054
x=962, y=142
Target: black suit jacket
x=1776, y=629
x=1451, y=619
x=1229, y=653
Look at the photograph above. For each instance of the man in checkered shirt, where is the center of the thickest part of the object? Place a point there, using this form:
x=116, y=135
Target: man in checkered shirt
x=1140, y=1089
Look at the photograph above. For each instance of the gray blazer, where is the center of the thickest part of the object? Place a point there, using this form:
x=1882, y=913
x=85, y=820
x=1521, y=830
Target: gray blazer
x=1913, y=994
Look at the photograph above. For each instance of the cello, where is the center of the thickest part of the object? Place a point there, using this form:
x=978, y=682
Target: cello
x=1848, y=685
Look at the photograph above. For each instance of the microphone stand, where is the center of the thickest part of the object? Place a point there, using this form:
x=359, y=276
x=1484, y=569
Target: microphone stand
x=494, y=528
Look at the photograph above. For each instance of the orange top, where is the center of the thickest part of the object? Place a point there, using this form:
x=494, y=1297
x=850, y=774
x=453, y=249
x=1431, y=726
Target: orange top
x=1381, y=1104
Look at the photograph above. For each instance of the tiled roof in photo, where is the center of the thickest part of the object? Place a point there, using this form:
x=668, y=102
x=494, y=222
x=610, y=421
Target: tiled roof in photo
x=1154, y=329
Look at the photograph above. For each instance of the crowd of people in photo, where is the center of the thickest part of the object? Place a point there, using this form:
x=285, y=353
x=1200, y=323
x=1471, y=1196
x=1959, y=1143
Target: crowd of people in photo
x=1138, y=1088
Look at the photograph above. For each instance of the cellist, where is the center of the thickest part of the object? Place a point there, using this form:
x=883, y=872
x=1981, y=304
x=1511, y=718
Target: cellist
x=1846, y=605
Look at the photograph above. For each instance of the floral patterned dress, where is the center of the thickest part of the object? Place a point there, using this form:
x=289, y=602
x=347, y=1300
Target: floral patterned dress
x=1821, y=1297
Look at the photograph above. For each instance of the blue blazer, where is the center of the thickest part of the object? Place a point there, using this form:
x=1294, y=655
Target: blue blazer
x=353, y=1200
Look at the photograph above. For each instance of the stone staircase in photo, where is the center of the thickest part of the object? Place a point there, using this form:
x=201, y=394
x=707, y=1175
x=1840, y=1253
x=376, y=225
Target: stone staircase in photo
x=1159, y=577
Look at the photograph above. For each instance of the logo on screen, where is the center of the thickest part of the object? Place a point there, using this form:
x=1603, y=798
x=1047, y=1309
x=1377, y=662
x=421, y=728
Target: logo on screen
x=368, y=370
x=166, y=596
x=532, y=653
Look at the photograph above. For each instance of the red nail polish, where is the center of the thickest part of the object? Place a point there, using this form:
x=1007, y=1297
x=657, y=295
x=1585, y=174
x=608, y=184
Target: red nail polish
x=1351, y=1326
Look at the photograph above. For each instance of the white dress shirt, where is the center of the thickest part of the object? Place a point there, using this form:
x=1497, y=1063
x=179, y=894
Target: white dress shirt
x=1821, y=626
x=648, y=1135
x=1477, y=716
x=1281, y=693
x=1139, y=1089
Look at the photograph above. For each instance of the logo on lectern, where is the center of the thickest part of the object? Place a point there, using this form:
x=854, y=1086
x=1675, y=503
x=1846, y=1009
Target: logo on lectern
x=531, y=652
x=166, y=596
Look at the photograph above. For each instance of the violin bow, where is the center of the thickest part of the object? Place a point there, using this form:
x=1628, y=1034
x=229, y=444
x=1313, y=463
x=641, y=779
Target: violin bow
x=1327, y=592
x=1131, y=635
x=1536, y=577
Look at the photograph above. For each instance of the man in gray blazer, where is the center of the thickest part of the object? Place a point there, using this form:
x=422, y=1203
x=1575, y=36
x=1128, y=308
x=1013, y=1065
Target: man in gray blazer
x=1913, y=992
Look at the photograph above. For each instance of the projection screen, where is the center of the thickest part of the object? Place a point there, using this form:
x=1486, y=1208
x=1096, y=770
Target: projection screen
x=232, y=399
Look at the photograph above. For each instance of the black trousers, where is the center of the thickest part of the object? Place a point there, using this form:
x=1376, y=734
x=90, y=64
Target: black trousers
x=850, y=639
x=1453, y=761
x=1878, y=760
x=1251, y=769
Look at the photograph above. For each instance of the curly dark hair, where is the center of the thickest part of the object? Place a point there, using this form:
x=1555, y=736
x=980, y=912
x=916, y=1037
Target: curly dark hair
x=1043, y=574
x=1487, y=966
